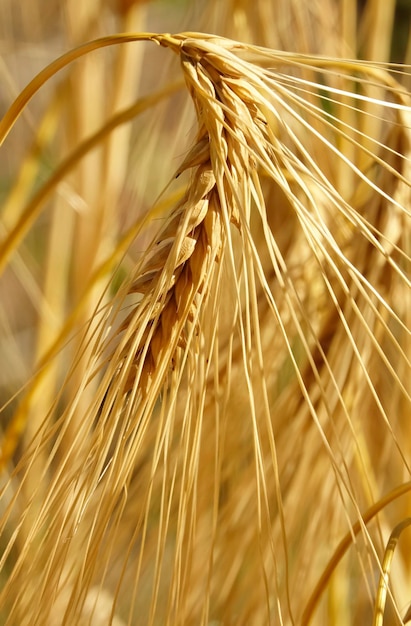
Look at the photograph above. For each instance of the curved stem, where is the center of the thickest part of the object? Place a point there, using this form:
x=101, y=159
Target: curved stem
x=385, y=569
x=15, y=110
x=345, y=544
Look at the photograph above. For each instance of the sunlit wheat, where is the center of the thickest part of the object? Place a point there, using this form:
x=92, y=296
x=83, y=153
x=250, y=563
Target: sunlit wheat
x=241, y=400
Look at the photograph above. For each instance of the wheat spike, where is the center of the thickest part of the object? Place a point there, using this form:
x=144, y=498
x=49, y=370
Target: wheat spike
x=181, y=259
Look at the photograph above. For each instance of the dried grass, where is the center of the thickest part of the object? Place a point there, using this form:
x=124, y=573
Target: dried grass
x=194, y=443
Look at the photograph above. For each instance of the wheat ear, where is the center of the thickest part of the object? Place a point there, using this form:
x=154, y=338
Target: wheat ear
x=174, y=274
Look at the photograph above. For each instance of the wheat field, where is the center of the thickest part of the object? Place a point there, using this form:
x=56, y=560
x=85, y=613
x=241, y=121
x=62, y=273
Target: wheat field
x=205, y=320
